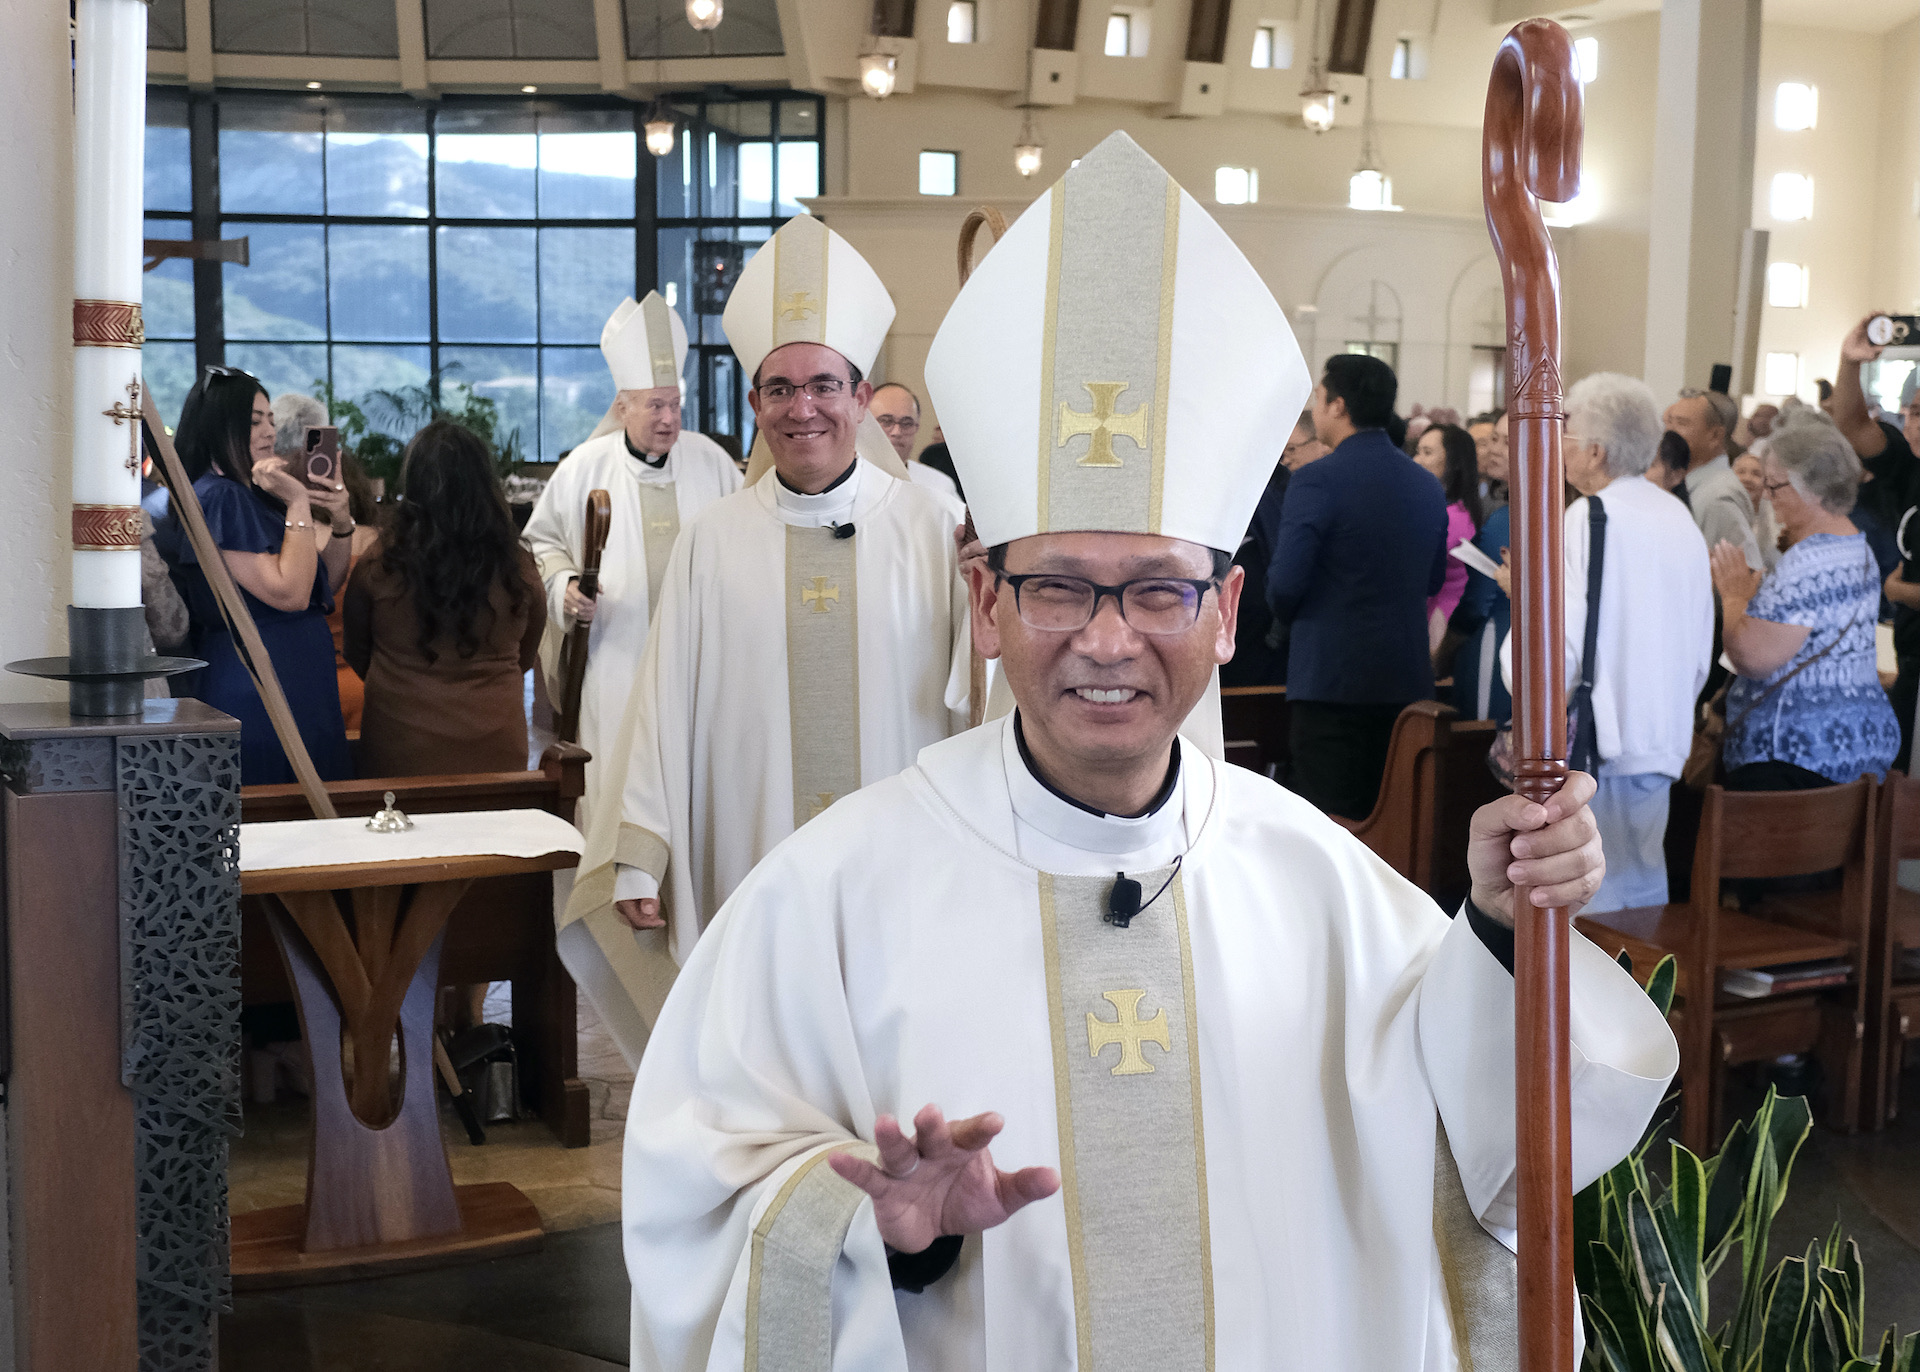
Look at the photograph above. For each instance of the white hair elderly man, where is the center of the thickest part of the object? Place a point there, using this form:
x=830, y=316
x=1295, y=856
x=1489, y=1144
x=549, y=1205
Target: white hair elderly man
x=293, y=415
x=1639, y=623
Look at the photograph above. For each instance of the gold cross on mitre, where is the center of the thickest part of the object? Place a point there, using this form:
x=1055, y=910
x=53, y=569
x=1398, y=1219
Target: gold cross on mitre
x=818, y=594
x=1103, y=423
x=1129, y=1031
x=129, y=410
x=798, y=305
x=821, y=800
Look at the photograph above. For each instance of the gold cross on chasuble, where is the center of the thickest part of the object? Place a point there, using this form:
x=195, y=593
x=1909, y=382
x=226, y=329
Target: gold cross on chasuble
x=817, y=593
x=1130, y=1032
x=1103, y=422
x=823, y=668
x=1133, y=1161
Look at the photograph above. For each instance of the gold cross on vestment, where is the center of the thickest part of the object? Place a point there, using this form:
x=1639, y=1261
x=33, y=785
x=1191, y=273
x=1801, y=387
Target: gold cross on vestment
x=818, y=594
x=129, y=410
x=1103, y=423
x=660, y=524
x=798, y=305
x=821, y=800
x=1129, y=1031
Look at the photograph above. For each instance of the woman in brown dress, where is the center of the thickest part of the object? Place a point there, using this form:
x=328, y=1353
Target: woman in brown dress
x=443, y=619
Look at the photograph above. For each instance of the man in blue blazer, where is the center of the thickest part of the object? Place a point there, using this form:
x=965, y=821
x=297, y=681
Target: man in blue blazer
x=1362, y=545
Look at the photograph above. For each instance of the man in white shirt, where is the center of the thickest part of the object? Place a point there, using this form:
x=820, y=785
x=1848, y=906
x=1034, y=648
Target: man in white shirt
x=1653, y=639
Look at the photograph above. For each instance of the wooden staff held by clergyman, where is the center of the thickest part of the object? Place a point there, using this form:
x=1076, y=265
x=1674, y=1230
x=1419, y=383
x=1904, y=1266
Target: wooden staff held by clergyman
x=1531, y=152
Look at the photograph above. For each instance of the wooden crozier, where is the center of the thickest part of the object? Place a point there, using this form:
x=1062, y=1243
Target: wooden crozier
x=1531, y=152
x=573, y=652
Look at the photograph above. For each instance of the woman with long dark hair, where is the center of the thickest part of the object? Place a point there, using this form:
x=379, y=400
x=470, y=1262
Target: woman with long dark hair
x=443, y=618
x=286, y=563
x=1448, y=451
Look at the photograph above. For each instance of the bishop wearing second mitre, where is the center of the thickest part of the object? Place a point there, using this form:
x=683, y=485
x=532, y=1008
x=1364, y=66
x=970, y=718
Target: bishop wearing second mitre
x=657, y=476
x=1069, y=1047
x=809, y=637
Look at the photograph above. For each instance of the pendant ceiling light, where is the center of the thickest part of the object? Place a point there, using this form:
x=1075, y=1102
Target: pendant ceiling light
x=1317, y=100
x=661, y=127
x=878, y=70
x=1370, y=188
x=1026, y=153
x=705, y=15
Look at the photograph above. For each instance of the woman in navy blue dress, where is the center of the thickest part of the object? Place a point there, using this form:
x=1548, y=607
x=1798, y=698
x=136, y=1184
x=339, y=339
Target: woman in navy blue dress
x=285, y=562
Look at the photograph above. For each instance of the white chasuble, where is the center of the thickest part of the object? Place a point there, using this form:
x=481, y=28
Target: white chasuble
x=649, y=506
x=791, y=662
x=1242, y=1089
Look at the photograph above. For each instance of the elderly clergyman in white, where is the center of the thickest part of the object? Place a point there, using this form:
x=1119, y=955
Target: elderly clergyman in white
x=1194, y=1079
x=810, y=637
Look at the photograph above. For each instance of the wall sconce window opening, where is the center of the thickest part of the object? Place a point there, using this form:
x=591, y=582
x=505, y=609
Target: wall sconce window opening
x=939, y=173
x=1790, y=197
x=1236, y=185
x=1782, y=376
x=1796, y=106
x=1402, y=67
x=1126, y=34
x=962, y=20
x=1786, y=285
x=1586, y=52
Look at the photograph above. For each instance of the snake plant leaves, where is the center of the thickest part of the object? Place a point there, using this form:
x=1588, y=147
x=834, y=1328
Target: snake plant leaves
x=1682, y=1218
x=1785, y=1305
x=1678, y=1332
x=1614, y=1297
x=1660, y=985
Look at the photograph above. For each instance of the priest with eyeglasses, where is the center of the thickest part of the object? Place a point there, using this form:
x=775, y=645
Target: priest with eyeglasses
x=1070, y=1047
x=809, y=636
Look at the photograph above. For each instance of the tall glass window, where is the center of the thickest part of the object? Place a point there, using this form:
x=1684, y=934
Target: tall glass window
x=483, y=242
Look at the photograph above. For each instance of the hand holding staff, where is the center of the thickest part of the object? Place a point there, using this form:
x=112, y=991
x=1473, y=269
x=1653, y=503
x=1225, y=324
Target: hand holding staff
x=573, y=653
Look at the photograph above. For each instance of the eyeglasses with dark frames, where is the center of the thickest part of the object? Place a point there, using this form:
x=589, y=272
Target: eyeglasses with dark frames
x=1065, y=604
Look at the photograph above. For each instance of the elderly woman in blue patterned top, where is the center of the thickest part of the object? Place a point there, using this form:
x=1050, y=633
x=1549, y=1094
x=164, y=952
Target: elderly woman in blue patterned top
x=1806, y=708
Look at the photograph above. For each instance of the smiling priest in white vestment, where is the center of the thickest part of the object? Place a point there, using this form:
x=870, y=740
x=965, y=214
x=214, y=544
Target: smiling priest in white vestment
x=810, y=636
x=1223, y=1085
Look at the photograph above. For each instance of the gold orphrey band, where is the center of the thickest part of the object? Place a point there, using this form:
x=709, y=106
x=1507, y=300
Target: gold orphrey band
x=106, y=528
x=107, y=324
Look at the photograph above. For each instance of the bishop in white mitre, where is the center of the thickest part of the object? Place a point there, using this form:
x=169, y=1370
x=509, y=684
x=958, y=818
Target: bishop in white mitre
x=657, y=477
x=810, y=635
x=1224, y=1090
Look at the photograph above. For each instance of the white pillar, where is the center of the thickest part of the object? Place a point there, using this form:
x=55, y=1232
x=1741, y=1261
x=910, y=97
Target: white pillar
x=1702, y=195
x=36, y=247
x=109, y=103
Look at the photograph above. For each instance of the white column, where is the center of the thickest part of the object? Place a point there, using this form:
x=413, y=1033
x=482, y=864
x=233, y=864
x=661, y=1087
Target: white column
x=36, y=245
x=1702, y=194
x=109, y=103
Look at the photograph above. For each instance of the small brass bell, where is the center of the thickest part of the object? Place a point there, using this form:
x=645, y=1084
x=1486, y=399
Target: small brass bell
x=389, y=820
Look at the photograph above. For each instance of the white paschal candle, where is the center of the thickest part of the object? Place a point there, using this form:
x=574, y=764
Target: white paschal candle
x=109, y=144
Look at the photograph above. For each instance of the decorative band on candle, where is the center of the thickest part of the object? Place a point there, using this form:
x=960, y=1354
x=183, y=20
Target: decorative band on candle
x=106, y=528
x=107, y=324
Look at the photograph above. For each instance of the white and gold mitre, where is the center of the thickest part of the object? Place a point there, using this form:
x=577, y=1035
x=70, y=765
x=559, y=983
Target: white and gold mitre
x=807, y=285
x=1116, y=364
x=645, y=344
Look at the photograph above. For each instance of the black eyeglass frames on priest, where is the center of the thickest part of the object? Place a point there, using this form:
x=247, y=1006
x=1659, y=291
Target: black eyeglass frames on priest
x=1065, y=604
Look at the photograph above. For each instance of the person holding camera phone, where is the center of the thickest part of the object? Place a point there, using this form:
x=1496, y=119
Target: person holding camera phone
x=1887, y=452
x=262, y=517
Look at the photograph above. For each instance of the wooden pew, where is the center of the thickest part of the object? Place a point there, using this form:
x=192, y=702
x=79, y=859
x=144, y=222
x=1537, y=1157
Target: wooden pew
x=1254, y=723
x=1893, y=993
x=1436, y=777
x=501, y=931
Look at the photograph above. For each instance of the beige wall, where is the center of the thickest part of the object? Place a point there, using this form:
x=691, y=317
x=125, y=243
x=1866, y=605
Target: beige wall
x=1846, y=154
x=1896, y=234
x=36, y=284
x=1603, y=265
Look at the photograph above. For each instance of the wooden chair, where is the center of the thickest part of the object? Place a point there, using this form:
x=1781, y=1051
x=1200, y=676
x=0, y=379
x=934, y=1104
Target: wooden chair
x=1436, y=777
x=1762, y=834
x=1254, y=722
x=1893, y=996
x=502, y=930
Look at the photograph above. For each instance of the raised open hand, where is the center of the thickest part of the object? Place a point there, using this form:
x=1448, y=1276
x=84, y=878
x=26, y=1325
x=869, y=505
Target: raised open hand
x=942, y=1180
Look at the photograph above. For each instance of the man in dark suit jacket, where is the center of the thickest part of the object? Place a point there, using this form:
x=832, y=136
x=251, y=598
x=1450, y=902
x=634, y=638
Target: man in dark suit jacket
x=1362, y=544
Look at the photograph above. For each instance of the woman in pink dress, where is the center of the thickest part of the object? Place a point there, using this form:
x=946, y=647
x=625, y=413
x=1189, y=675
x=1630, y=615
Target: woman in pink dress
x=1448, y=451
